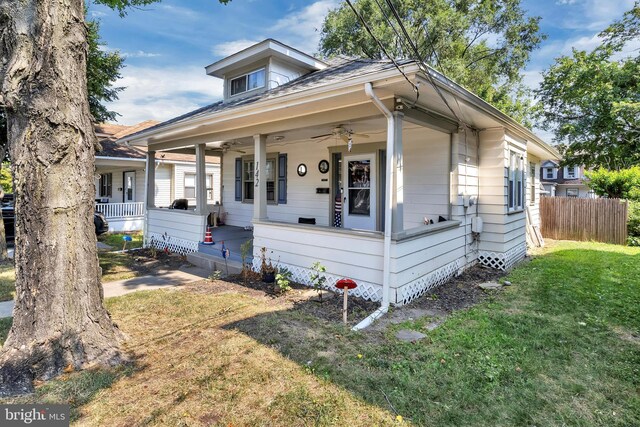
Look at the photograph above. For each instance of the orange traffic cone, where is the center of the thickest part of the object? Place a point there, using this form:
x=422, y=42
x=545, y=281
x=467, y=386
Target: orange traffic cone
x=208, y=239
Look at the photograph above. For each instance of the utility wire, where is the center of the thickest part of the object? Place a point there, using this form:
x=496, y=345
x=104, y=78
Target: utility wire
x=364, y=23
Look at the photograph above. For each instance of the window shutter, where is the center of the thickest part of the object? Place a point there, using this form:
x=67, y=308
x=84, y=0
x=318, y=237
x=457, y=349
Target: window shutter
x=282, y=178
x=238, y=179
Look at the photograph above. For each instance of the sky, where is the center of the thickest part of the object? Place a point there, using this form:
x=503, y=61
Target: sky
x=168, y=44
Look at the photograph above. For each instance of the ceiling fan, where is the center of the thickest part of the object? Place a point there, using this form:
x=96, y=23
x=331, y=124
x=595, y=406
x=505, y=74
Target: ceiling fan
x=225, y=147
x=343, y=133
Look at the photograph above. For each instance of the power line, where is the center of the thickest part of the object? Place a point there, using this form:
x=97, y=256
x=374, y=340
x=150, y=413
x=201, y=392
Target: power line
x=364, y=23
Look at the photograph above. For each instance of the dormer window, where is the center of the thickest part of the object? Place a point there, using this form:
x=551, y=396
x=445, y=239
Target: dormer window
x=247, y=82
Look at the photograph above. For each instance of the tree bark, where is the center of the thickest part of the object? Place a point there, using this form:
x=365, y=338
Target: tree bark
x=59, y=318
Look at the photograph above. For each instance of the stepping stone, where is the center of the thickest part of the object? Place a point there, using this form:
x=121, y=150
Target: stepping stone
x=431, y=326
x=490, y=286
x=408, y=335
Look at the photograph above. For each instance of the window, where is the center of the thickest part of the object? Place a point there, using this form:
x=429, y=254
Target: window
x=248, y=184
x=548, y=173
x=532, y=183
x=105, y=185
x=516, y=181
x=247, y=82
x=190, y=186
x=572, y=192
x=570, y=172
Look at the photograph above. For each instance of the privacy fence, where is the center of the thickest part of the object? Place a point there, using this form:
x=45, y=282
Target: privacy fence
x=601, y=220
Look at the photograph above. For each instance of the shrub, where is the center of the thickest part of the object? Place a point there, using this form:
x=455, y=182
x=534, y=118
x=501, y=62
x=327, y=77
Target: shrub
x=621, y=184
x=633, y=224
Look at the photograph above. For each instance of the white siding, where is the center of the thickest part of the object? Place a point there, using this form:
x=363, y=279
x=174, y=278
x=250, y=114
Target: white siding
x=302, y=200
x=534, y=209
x=163, y=196
x=178, y=225
x=117, y=183
x=426, y=175
x=281, y=73
x=178, y=180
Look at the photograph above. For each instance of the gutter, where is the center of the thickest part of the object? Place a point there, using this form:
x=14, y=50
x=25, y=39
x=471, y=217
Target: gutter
x=386, y=273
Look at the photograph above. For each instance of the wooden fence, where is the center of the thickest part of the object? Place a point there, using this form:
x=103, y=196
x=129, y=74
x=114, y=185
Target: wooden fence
x=601, y=220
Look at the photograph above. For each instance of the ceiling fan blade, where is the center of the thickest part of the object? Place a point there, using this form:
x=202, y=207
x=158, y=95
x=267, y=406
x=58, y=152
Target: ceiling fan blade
x=361, y=135
x=322, y=136
x=345, y=138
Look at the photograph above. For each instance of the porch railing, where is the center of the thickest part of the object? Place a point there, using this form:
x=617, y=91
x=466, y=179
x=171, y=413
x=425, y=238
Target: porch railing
x=121, y=210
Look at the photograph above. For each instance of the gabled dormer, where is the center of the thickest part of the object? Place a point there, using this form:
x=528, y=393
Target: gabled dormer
x=263, y=66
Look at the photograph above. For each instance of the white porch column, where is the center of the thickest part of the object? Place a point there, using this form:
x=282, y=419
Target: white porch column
x=397, y=216
x=260, y=178
x=150, y=178
x=201, y=180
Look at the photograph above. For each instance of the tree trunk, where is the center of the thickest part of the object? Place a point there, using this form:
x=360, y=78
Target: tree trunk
x=59, y=317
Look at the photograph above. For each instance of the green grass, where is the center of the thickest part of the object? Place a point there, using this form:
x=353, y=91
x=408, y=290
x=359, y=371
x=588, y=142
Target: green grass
x=116, y=266
x=559, y=347
x=115, y=240
x=7, y=281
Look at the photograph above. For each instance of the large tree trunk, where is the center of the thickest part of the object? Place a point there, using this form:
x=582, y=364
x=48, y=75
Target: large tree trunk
x=59, y=317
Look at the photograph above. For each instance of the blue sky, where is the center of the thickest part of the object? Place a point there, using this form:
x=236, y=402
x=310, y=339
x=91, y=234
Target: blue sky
x=168, y=44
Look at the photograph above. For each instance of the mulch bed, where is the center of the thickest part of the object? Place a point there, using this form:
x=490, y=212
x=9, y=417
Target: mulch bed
x=459, y=293
x=144, y=263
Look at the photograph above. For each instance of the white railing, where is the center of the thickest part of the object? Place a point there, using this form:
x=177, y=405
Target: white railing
x=121, y=210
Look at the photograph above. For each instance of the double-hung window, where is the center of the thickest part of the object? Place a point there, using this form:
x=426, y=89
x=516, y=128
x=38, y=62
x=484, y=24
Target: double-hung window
x=190, y=186
x=106, y=180
x=571, y=172
x=247, y=82
x=549, y=173
x=516, y=181
x=248, y=179
x=532, y=183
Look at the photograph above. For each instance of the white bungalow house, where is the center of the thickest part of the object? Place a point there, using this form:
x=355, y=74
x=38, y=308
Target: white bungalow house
x=120, y=178
x=349, y=164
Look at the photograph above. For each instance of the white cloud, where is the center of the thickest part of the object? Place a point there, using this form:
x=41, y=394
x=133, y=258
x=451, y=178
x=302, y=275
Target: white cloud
x=301, y=29
x=229, y=48
x=565, y=1
x=140, y=54
x=163, y=93
x=532, y=78
x=597, y=14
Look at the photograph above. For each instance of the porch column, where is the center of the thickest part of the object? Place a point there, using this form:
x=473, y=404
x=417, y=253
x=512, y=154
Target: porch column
x=150, y=177
x=260, y=178
x=201, y=180
x=397, y=224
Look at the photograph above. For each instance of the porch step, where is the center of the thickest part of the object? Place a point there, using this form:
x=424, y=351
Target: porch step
x=212, y=263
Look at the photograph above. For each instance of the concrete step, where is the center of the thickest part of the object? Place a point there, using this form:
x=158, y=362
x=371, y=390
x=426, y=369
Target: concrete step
x=212, y=263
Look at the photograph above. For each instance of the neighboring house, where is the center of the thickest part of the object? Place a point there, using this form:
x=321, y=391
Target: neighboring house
x=341, y=163
x=565, y=181
x=120, y=178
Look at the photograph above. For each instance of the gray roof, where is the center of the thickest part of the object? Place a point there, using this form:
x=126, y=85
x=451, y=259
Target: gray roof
x=339, y=70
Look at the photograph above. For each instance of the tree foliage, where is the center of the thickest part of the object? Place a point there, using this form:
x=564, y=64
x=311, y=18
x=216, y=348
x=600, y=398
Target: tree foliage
x=591, y=100
x=615, y=184
x=482, y=45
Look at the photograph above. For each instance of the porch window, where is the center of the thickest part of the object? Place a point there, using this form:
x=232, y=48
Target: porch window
x=532, y=183
x=516, y=181
x=572, y=192
x=190, y=186
x=248, y=179
x=247, y=82
x=106, y=180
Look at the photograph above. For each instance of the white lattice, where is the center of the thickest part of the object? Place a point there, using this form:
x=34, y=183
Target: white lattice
x=420, y=286
x=174, y=244
x=303, y=275
x=503, y=260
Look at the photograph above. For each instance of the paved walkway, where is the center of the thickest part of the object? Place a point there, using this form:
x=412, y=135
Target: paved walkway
x=163, y=279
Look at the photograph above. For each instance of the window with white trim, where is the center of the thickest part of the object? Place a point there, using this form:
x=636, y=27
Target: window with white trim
x=532, y=183
x=190, y=186
x=106, y=180
x=248, y=179
x=572, y=192
x=247, y=82
x=516, y=181
x=549, y=173
x=570, y=172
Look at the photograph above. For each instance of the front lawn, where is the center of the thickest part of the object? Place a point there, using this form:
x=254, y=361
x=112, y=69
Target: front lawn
x=7, y=280
x=561, y=346
x=115, y=240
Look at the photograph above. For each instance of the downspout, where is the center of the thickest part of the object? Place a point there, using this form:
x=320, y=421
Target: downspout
x=386, y=269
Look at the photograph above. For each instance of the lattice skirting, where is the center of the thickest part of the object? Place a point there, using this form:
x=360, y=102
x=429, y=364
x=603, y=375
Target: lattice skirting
x=503, y=260
x=302, y=275
x=174, y=244
x=420, y=286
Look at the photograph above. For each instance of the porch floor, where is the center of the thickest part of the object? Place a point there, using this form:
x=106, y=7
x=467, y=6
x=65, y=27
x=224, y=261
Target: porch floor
x=232, y=237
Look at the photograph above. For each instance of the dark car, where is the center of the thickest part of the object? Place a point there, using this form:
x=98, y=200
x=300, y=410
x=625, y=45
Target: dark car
x=8, y=216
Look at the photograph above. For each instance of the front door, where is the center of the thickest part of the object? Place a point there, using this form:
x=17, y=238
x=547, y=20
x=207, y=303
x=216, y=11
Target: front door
x=359, y=172
x=129, y=187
